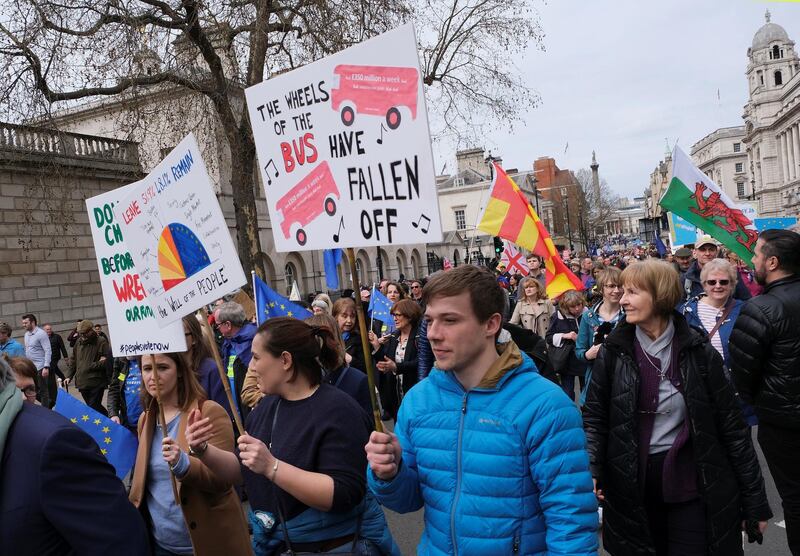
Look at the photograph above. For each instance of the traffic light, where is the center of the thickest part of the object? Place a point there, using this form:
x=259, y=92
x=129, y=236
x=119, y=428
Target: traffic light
x=498, y=246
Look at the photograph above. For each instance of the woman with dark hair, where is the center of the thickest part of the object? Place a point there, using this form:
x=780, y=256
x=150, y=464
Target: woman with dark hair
x=199, y=359
x=208, y=503
x=344, y=311
x=24, y=376
x=302, y=460
x=397, y=356
x=670, y=454
x=344, y=377
x=395, y=292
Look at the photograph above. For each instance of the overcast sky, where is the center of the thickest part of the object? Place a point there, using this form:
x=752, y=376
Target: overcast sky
x=620, y=76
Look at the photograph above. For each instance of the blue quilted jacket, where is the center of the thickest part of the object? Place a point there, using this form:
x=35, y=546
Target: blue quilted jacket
x=500, y=469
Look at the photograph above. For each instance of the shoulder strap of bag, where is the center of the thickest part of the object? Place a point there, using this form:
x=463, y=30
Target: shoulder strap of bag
x=721, y=320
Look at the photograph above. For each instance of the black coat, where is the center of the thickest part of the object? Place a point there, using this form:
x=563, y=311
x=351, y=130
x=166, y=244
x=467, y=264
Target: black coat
x=765, y=353
x=389, y=386
x=59, y=494
x=352, y=346
x=728, y=475
x=560, y=324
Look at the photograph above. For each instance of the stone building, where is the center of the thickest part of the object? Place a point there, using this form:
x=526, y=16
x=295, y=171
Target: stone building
x=47, y=261
x=654, y=217
x=721, y=156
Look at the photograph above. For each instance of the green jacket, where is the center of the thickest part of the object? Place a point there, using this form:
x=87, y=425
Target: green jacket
x=85, y=366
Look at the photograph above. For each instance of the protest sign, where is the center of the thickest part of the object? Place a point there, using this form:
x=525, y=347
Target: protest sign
x=178, y=237
x=344, y=149
x=131, y=322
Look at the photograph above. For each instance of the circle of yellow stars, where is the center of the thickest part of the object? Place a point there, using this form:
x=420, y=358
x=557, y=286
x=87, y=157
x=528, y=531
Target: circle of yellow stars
x=105, y=430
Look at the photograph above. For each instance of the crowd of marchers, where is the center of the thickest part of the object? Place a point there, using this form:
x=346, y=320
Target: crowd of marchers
x=624, y=413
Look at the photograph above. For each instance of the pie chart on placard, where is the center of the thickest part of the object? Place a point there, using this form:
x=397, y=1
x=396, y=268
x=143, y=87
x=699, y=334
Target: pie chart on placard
x=180, y=255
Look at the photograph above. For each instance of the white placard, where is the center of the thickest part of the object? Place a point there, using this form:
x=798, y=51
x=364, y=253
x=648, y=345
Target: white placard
x=131, y=322
x=178, y=237
x=344, y=149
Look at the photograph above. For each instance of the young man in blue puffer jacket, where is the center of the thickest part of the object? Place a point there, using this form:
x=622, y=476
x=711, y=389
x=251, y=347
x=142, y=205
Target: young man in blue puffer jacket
x=494, y=452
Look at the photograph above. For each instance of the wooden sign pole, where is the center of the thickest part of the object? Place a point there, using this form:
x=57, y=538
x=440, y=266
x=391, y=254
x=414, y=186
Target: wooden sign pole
x=208, y=335
x=365, y=345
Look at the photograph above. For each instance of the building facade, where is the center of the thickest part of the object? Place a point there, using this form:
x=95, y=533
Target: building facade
x=721, y=155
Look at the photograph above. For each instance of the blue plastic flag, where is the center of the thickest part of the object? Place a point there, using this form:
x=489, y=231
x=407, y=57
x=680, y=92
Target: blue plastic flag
x=116, y=443
x=330, y=260
x=380, y=308
x=660, y=247
x=762, y=224
x=271, y=304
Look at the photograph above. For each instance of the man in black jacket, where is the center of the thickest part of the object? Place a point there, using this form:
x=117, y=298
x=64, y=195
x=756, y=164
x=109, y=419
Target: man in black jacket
x=765, y=363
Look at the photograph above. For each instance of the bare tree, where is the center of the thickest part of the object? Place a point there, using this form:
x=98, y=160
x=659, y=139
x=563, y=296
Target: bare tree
x=596, y=209
x=183, y=65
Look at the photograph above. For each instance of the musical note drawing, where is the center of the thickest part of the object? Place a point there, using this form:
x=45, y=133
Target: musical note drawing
x=266, y=169
x=341, y=226
x=425, y=227
x=380, y=139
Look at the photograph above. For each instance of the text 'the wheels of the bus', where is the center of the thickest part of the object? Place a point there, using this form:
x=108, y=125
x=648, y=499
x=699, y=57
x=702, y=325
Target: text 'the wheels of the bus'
x=330, y=206
x=393, y=118
x=348, y=116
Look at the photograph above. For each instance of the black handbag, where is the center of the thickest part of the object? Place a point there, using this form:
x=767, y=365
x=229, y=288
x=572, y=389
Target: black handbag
x=561, y=356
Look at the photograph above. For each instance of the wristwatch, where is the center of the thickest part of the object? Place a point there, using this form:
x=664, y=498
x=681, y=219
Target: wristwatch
x=199, y=451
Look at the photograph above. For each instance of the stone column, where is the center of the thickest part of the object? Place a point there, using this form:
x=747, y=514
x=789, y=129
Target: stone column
x=790, y=154
x=796, y=141
x=784, y=163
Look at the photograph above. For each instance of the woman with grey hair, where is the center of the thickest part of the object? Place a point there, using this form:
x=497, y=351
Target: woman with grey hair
x=715, y=311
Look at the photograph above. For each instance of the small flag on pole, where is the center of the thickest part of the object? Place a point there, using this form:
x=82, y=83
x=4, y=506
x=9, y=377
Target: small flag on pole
x=381, y=308
x=116, y=443
x=270, y=304
x=330, y=261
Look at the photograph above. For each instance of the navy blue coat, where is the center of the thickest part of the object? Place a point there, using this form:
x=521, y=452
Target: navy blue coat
x=59, y=495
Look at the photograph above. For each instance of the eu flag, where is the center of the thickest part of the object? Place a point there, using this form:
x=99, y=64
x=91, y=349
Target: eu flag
x=330, y=261
x=270, y=304
x=381, y=308
x=116, y=443
x=660, y=247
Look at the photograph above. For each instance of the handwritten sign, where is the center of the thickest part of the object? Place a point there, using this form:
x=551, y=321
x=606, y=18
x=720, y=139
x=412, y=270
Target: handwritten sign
x=131, y=321
x=178, y=237
x=344, y=149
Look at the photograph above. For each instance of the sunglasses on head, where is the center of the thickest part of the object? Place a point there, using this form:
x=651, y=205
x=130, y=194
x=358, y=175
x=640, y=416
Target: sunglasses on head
x=721, y=282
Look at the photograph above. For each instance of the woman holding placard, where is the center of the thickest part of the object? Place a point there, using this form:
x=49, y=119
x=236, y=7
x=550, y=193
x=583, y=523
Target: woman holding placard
x=207, y=518
x=302, y=460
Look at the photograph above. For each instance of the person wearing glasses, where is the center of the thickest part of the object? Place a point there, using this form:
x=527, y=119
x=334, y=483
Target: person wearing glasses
x=416, y=291
x=706, y=250
x=237, y=338
x=24, y=377
x=598, y=321
x=397, y=357
x=715, y=311
x=670, y=455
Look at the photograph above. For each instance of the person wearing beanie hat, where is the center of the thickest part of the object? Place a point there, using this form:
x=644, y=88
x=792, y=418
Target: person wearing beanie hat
x=319, y=306
x=87, y=366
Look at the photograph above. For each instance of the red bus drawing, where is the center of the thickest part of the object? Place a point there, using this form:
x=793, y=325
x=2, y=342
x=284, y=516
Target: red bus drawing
x=375, y=90
x=314, y=194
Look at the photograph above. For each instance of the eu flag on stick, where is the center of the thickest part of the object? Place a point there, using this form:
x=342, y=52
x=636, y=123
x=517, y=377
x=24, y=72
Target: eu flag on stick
x=381, y=308
x=660, y=247
x=270, y=304
x=330, y=260
x=116, y=443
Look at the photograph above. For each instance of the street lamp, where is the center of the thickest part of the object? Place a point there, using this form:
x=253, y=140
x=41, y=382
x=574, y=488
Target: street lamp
x=566, y=210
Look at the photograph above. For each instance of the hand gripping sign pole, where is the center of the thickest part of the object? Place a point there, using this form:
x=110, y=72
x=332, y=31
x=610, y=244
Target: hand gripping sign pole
x=362, y=328
x=163, y=422
x=208, y=335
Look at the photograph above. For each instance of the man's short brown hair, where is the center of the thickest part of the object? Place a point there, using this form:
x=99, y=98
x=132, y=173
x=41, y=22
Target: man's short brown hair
x=485, y=294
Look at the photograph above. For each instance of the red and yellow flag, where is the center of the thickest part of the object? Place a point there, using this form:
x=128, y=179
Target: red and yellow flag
x=509, y=215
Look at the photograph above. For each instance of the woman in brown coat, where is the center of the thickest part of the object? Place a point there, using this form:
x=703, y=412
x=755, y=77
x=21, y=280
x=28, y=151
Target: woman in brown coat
x=533, y=309
x=209, y=520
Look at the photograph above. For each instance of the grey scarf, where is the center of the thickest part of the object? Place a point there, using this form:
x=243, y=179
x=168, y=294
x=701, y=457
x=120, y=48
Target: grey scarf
x=661, y=347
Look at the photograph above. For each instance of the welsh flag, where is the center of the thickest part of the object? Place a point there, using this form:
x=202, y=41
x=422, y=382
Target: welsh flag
x=693, y=196
x=509, y=215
